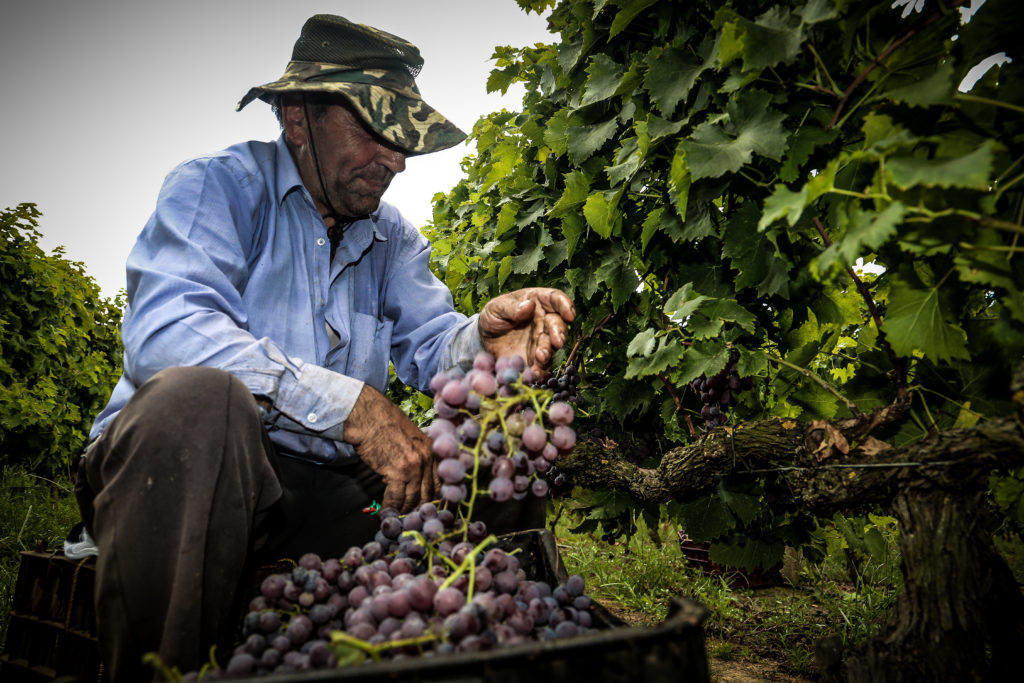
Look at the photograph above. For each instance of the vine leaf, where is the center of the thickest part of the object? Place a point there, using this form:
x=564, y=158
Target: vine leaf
x=915, y=321
x=577, y=187
x=936, y=88
x=630, y=8
x=605, y=77
x=670, y=77
x=583, y=141
x=972, y=170
x=752, y=126
x=617, y=273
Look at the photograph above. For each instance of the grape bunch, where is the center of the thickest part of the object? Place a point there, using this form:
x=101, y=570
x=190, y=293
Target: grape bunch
x=432, y=581
x=717, y=393
x=496, y=432
x=564, y=385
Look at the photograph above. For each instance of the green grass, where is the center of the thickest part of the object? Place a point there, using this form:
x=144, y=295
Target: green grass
x=637, y=578
x=32, y=509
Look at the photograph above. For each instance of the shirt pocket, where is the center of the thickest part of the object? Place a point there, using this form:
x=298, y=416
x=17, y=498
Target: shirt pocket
x=370, y=349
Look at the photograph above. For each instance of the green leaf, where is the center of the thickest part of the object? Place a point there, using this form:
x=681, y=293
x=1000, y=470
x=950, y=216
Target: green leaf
x=602, y=214
x=746, y=505
x=651, y=226
x=629, y=10
x=528, y=259
x=754, y=554
x=914, y=320
x=972, y=170
x=703, y=358
x=504, y=270
x=729, y=310
x=680, y=181
x=577, y=187
x=783, y=203
x=936, y=88
x=683, y=302
x=642, y=344
x=556, y=132
x=753, y=127
x=604, y=78
x=863, y=231
x=801, y=145
x=617, y=274
x=706, y=518
x=670, y=76
x=667, y=354
x=506, y=218
x=583, y=141
x=573, y=228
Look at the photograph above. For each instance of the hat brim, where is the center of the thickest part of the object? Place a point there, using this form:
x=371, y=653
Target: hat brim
x=400, y=117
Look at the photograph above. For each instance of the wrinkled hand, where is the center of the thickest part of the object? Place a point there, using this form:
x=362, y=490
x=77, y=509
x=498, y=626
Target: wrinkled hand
x=528, y=322
x=393, y=447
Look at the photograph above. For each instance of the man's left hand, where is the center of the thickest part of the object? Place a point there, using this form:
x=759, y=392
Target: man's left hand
x=528, y=322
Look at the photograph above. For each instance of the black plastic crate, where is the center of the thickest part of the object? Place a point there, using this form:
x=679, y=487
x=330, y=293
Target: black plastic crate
x=671, y=651
x=40, y=649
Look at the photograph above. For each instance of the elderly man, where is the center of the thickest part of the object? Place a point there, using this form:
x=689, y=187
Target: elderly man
x=267, y=295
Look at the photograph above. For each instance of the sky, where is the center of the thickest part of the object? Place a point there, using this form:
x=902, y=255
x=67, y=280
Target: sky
x=102, y=98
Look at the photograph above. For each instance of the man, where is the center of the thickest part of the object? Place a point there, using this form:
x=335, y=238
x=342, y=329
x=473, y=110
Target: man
x=267, y=295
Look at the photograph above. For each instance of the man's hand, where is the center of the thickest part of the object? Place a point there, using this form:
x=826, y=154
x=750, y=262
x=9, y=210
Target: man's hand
x=528, y=322
x=393, y=447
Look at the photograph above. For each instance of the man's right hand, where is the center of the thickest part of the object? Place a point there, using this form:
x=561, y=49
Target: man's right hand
x=395, y=448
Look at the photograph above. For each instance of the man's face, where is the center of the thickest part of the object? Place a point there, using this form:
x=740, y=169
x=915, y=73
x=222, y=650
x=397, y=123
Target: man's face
x=357, y=165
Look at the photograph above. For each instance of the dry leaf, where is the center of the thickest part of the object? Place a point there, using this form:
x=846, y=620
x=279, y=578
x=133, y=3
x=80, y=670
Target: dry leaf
x=832, y=441
x=871, y=446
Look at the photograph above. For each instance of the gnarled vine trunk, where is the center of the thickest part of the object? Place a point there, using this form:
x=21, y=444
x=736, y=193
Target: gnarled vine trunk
x=960, y=616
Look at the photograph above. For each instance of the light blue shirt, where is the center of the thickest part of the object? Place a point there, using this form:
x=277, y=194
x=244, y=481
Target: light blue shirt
x=233, y=271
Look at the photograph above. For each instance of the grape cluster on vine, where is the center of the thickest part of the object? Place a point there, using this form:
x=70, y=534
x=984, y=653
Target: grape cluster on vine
x=432, y=581
x=718, y=392
x=564, y=384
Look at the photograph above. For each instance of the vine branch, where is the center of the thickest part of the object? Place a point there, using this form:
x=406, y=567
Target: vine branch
x=898, y=363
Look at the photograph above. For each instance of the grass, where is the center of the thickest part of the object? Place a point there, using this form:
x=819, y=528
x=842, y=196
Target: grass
x=32, y=509
x=637, y=578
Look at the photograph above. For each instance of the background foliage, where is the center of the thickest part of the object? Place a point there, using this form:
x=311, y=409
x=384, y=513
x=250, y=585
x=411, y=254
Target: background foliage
x=706, y=179
x=60, y=349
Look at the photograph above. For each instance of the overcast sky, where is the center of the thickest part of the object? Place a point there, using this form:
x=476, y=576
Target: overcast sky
x=102, y=98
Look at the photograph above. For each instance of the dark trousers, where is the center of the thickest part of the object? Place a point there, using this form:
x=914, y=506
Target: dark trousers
x=185, y=494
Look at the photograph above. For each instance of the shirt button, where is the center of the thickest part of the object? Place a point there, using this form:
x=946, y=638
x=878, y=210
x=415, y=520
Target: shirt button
x=311, y=418
x=321, y=242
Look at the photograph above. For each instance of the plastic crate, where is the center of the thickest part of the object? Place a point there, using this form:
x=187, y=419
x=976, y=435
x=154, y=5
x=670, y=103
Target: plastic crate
x=52, y=630
x=40, y=649
x=671, y=651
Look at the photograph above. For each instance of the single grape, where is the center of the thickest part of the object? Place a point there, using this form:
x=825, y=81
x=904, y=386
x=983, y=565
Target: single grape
x=501, y=489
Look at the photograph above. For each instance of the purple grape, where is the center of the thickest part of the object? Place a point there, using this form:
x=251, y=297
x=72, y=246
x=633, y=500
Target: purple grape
x=446, y=446
x=272, y=587
x=241, y=664
x=501, y=489
x=563, y=437
x=539, y=488
x=534, y=438
x=311, y=561
x=453, y=493
x=451, y=471
x=448, y=601
x=484, y=384
x=560, y=413
x=575, y=585
x=454, y=394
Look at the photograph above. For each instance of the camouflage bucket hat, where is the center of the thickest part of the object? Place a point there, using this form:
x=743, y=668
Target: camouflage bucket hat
x=374, y=71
